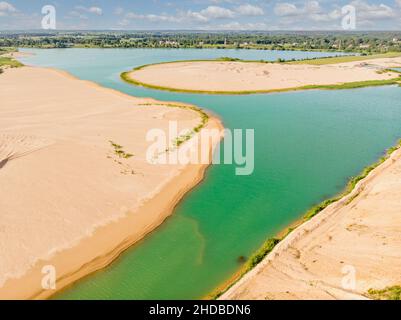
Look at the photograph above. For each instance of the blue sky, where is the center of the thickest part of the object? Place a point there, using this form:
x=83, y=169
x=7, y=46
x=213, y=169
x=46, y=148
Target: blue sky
x=202, y=14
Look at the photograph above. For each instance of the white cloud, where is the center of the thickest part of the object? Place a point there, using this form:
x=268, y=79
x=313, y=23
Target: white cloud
x=203, y=16
x=308, y=13
x=291, y=14
x=326, y=17
x=215, y=12
x=221, y=1
x=150, y=17
x=289, y=9
x=250, y=10
x=94, y=10
x=366, y=11
x=194, y=16
x=6, y=8
x=286, y=9
x=311, y=10
x=240, y=26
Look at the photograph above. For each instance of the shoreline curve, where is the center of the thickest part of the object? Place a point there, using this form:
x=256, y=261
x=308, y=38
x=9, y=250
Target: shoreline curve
x=95, y=252
x=238, y=286
x=128, y=77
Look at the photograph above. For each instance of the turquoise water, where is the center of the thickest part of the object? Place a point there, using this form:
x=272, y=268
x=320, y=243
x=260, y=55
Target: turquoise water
x=307, y=145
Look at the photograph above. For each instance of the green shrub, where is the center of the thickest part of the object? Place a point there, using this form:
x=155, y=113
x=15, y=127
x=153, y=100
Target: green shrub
x=9, y=62
x=389, y=293
x=266, y=248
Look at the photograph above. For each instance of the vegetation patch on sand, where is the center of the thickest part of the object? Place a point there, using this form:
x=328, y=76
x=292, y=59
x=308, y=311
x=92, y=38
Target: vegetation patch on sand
x=6, y=62
x=188, y=136
x=119, y=156
x=353, y=85
x=203, y=115
x=259, y=255
x=343, y=59
x=249, y=264
x=118, y=150
x=389, y=293
x=4, y=50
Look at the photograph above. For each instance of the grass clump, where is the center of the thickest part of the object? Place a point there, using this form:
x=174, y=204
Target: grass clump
x=342, y=59
x=259, y=255
x=389, y=293
x=320, y=207
x=4, y=50
x=251, y=263
x=118, y=150
x=354, y=85
x=9, y=62
x=186, y=137
x=228, y=59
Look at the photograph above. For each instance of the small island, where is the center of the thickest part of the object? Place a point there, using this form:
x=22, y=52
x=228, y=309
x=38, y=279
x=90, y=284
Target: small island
x=232, y=76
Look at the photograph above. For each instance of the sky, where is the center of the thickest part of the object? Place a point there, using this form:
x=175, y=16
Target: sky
x=268, y=15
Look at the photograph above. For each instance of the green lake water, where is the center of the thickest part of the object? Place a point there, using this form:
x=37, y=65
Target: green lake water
x=307, y=145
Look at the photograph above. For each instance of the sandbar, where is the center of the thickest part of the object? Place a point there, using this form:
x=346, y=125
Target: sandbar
x=76, y=188
x=252, y=77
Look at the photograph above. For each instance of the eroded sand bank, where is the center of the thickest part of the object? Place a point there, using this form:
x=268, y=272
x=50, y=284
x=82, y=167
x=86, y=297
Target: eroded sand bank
x=355, y=241
x=67, y=198
x=225, y=76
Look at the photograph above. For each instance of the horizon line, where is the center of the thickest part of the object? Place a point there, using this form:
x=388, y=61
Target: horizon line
x=194, y=30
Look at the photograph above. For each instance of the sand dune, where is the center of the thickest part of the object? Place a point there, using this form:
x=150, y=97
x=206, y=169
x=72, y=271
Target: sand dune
x=66, y=197
x=226, y=76
x=347, y=249
x=14, y=146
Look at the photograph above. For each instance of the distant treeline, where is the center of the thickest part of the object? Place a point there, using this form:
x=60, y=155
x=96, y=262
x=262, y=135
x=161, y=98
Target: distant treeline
x=363, y=42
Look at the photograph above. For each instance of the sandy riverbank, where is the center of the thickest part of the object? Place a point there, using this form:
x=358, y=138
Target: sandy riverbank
x=227, y=76
x=67, y=198
x=357, y=238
